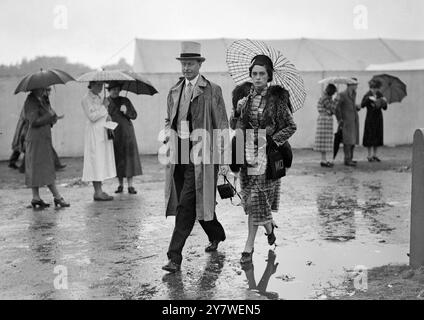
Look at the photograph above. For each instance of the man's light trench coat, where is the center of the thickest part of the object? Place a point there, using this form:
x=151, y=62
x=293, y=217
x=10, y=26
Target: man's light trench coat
x=208, y=112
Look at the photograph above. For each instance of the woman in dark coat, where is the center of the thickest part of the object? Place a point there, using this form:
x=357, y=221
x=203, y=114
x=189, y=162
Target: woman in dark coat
x=373, y=132
x=266, y=107
x=127, y=158
x=39, y=158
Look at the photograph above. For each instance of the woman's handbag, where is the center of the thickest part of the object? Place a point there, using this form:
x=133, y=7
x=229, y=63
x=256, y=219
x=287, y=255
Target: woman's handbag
x=279, y=158
x=227, y=190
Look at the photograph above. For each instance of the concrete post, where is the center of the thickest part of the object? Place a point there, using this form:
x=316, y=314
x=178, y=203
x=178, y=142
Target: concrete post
x=416, y=254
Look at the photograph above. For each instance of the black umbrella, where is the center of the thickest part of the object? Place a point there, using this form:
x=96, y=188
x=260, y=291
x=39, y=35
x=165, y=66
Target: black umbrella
x=338, y=138
x=139, y=85
x=43, y=79
x=392, y=88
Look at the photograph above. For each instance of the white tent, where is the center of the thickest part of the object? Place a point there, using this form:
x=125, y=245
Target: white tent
x=158, y=56
x=409, y=65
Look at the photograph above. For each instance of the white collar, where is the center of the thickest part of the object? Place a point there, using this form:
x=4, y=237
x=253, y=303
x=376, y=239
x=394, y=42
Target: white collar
x=192, y=81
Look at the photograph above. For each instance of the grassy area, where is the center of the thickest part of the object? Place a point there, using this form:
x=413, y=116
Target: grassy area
x=390, y=282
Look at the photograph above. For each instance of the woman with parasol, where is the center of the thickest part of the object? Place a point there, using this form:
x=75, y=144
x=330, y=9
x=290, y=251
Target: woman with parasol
x=266, y=107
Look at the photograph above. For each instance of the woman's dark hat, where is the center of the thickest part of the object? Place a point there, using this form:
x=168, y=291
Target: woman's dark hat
x=262, y=60
x=190, y=50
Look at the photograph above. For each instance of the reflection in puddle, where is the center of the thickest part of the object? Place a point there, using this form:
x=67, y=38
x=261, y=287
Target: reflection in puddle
x=43, y=238
x=336, y=216
x=270, y=269
x=337, y=207
x=373, y=208
x=181, y=287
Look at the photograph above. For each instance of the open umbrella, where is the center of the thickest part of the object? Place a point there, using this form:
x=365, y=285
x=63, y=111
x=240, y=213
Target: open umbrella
x=104, y=75
x=43, y=79
x=336, y=80
x=239, y=57
x=138, y=84
x=393, y=89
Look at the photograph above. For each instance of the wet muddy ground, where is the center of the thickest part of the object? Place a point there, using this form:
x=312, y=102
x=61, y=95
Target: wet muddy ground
x=330, y=222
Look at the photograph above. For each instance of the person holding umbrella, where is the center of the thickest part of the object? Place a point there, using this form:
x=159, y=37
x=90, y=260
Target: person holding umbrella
x=39, y=157
x=324, y=131
x=99, y=158
x=375, y=102
x=127, y=158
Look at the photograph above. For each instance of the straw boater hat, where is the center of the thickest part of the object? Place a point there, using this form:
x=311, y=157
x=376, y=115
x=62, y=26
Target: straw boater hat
x=190, y=50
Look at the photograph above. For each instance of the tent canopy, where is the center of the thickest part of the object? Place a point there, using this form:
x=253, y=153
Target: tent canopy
x=158, y=56
x=417, y=64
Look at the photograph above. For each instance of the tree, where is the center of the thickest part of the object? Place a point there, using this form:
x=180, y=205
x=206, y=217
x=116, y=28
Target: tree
x=29, y=66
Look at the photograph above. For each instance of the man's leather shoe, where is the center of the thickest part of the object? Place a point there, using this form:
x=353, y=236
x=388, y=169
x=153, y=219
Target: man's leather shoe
x=171, y=267
x=213, y=246
x=13, y=166
x=350, y=164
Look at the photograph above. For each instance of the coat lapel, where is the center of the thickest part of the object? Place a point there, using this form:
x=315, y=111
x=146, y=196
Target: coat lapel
x=176, y=93
x=198, y=89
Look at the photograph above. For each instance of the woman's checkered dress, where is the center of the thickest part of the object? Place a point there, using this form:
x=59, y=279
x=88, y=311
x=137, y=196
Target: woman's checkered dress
x=324, y=133
x=260, y=196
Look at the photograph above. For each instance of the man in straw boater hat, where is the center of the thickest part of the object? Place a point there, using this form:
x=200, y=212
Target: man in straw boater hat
x=195, y=105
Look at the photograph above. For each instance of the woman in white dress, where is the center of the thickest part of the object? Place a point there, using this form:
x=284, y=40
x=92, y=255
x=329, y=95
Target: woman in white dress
x=99, y=158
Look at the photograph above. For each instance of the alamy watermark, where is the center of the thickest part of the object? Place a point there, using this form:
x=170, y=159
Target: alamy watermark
x=60, y=282
x=360, y=17
x=60, y=17
x=360, y=278
x=204, y=147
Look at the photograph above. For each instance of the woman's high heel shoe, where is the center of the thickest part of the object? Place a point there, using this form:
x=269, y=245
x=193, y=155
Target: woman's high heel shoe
x=120, y=189
x=39, y=204
x=246, y=257
x=271, y=236
x=61, y=203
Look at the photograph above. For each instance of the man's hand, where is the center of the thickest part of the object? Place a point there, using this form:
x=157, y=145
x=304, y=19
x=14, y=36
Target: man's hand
x=123, y=109
x=108, y=118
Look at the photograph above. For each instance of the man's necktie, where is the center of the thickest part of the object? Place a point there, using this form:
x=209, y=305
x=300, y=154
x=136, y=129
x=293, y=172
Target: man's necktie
x=188, y=91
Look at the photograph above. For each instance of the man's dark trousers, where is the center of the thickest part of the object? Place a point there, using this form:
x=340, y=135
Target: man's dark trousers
x=348, y=152
x=184, y=178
